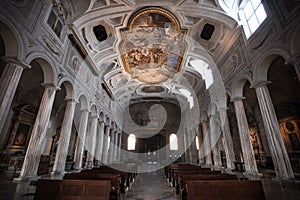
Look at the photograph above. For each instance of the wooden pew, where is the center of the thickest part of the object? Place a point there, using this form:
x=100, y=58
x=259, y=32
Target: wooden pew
x=224, y=190
x=183, y=178
x=125, y=177
x=115, y=180
x=175, y=172
x=85, y=190
x=48, y=189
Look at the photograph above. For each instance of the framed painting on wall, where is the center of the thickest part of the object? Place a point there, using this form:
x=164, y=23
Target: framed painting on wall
x=21, y=137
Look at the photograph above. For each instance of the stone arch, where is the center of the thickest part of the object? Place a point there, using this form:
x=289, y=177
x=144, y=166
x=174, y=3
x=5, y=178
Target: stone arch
x=70, y=89
x=47, y=65
x=262, y=64
x=84, y=105
x=93, y=109
x=107, y=120
x=101, y=116
x=112, y=124
x=238, y=84
x=12, y=41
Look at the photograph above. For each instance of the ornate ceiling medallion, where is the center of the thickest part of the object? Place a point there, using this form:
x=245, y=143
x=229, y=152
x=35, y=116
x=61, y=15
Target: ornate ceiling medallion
x=152, y=46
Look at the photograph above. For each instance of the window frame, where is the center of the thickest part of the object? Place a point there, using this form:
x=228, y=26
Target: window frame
x=249, y=29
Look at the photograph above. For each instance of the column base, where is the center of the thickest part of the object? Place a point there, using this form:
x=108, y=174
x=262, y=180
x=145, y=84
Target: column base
x=253, y=175
x=217, y=168
x=228, y=170
x=58, y=173
x=26, y=178
x=277, y=178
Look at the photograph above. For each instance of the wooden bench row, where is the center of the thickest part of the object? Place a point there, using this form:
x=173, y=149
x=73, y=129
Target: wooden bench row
x=48, y=189
x=224, y=190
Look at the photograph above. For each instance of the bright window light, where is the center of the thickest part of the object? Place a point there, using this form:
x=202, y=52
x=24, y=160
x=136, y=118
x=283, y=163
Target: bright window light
x=197, y=143
x=188, y=95
x=131, y=142
x=202, y=68
x=173, y=142
x=252, y=15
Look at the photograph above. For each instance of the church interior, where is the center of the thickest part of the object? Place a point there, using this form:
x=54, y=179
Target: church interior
x=149, y=100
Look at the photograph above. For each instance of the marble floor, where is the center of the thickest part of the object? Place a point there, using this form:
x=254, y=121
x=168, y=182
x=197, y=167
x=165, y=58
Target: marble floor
x=150, y=186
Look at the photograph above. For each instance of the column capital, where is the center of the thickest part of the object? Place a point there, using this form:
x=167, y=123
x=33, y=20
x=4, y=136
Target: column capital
x=204, y=120
x=260, y=84
x=71, y=99
x=94, y=116
x=84, y=110
x=101, y=121
x=14, y=61
x=223, y=109
x=51, y=85
x=233, y=99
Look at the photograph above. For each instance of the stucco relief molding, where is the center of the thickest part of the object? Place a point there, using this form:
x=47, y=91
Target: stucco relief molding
x=49, y=44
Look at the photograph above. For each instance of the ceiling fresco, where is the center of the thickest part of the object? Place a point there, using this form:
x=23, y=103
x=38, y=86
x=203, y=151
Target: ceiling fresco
x=153, y=46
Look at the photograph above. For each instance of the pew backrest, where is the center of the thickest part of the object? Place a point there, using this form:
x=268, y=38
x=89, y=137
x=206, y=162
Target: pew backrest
x=224, y=190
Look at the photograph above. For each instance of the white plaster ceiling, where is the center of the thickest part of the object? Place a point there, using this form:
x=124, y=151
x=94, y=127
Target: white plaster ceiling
x=114, y=16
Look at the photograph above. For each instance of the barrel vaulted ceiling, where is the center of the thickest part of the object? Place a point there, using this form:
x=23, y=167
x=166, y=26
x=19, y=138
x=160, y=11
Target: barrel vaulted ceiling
x=209, y=28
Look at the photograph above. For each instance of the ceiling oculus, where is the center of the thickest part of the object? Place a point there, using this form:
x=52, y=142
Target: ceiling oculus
x=152, y=46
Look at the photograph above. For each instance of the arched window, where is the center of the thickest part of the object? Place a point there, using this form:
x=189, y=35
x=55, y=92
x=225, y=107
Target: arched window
x=131, y=142
x=197, y=142
x=173, y=142
x=252, y=14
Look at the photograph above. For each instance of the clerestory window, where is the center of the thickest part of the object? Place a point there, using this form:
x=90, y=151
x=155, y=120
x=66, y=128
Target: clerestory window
x=252, y=14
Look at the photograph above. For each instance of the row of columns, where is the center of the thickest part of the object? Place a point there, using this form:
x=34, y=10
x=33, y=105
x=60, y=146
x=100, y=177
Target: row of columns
x=8, y=84
x=277, y=148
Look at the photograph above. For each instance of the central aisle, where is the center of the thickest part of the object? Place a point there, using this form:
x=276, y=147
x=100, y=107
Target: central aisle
x=150, y=186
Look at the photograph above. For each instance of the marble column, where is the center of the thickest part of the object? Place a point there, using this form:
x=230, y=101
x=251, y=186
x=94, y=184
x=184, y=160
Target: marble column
x=111, y=145
x=100, y=138
x=81, y=139
x=206, y=143
x=193, y=146
x=188, y=145
x=8, y=85
x=228, y=144
x=201, y=147
x=93, y=132
x=105, y=144
x=64, y=138
x=215, y=135
x=277, y=148
x=296, y=64
x=246, y=145
x=38, y=135
x=115, y=146
x=120, y=146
